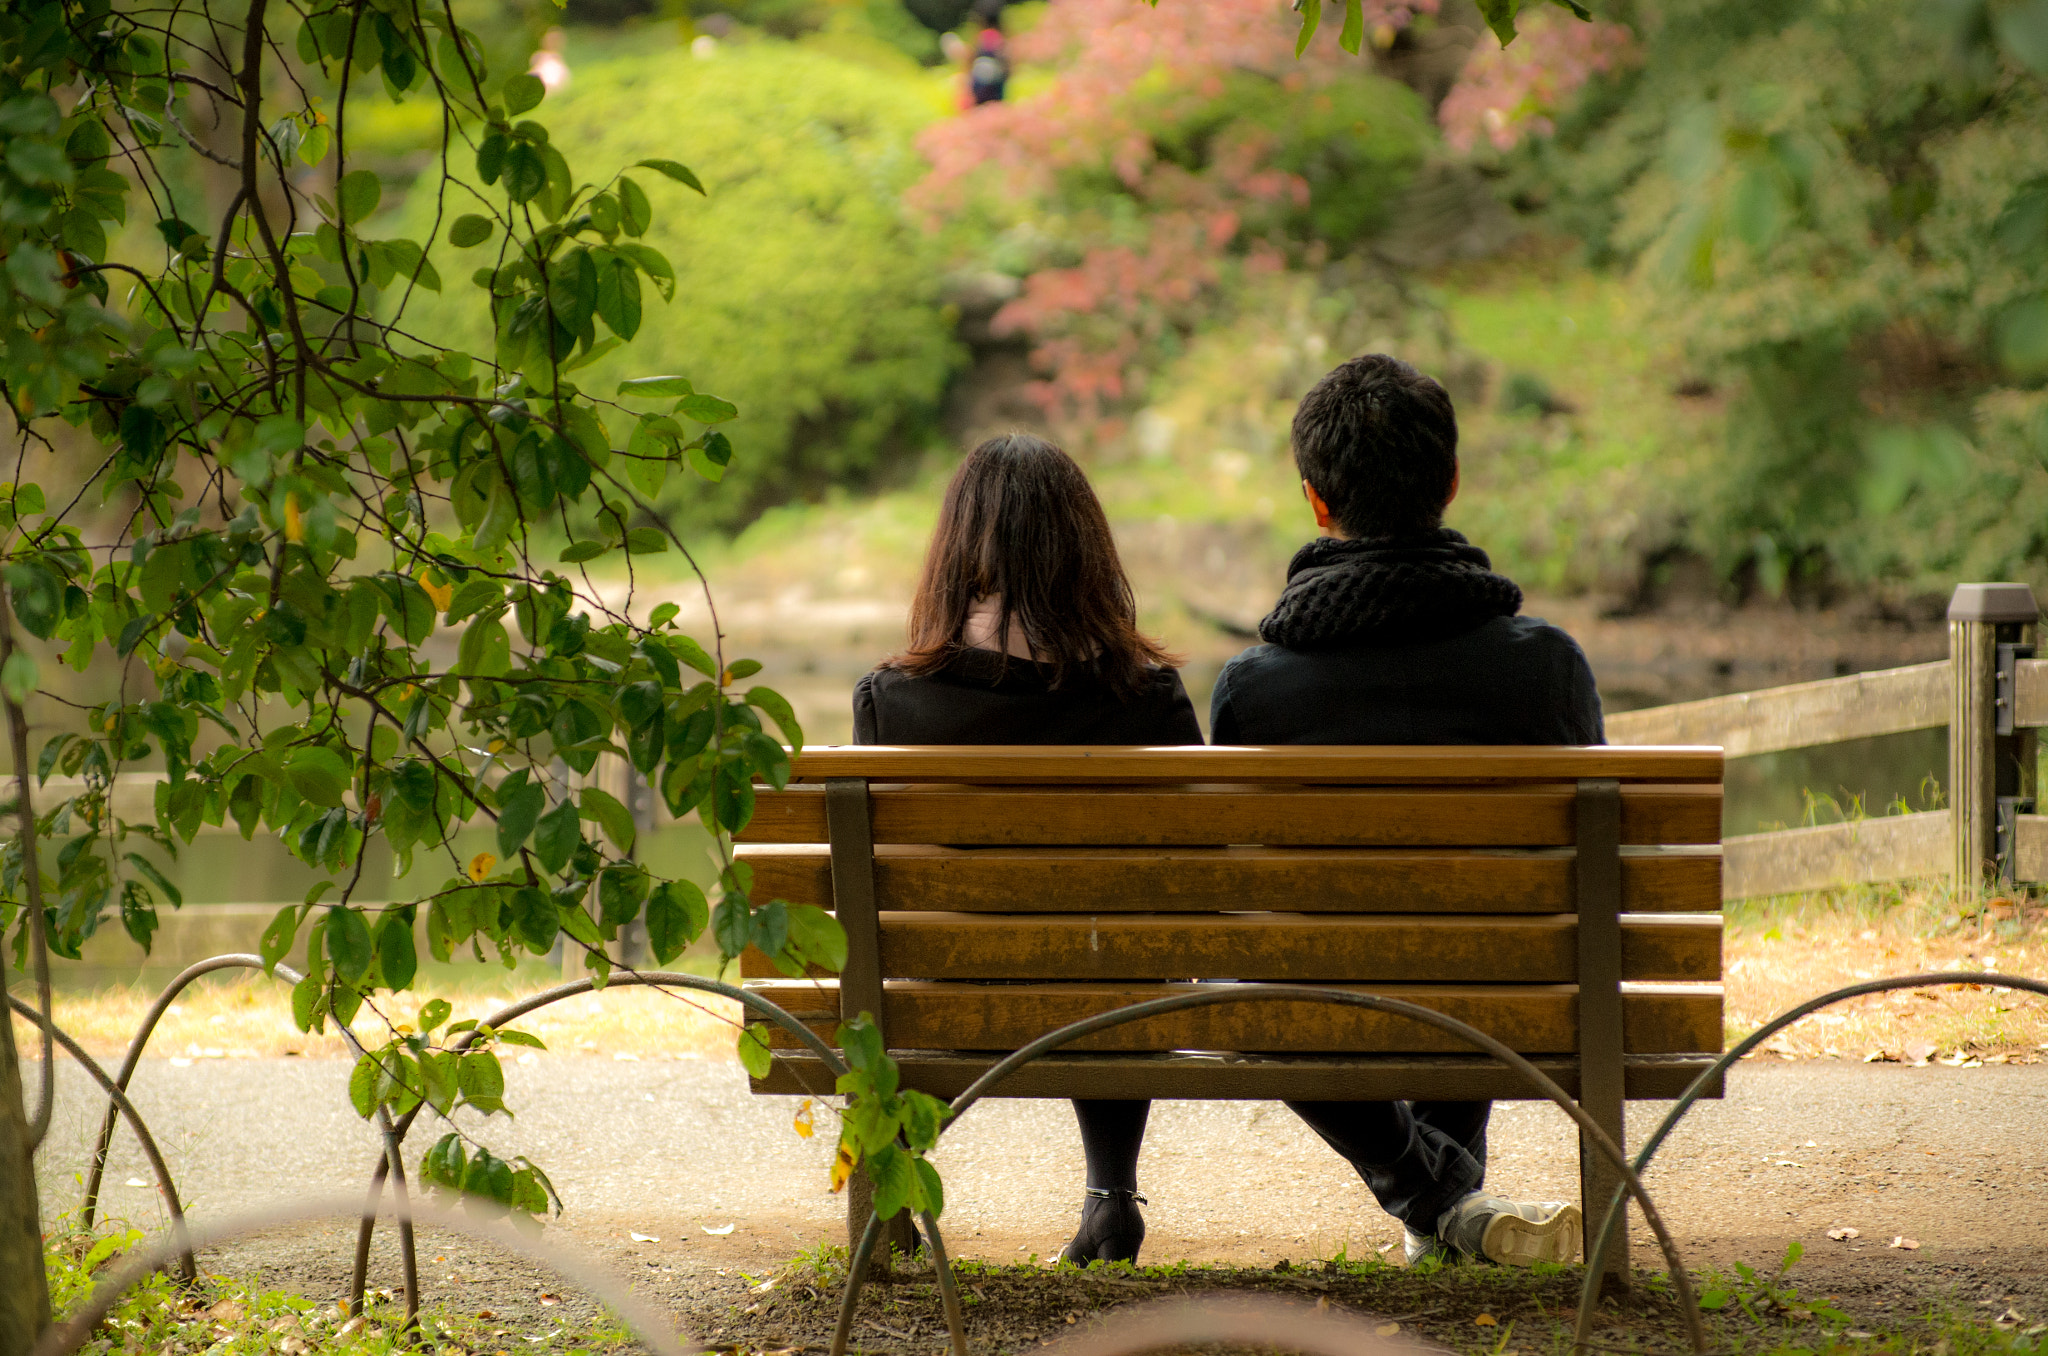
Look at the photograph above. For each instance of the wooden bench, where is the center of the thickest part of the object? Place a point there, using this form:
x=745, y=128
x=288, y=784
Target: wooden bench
x=1564, y=900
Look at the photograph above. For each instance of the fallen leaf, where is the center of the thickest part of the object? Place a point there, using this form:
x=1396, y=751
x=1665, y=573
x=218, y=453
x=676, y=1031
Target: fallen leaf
x=1901, y=1241
x=353, y=1326
x=1845, y=1233
x=724, y=1229
x=1485, y=1321
x=644, y=1238
x=1858, y=1335
x=549, y=1301
x=486, y=1313
x=805, y=1123
x=1918, y=1053
x=228, y=1311
x=2011, y=1318
x=1386, y=1330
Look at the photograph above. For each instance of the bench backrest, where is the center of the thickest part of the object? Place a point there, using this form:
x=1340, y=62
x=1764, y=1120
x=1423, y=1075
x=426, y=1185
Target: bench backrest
x=1521, y=889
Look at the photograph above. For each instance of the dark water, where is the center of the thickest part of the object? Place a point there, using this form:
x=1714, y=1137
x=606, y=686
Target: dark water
x=1827, y=784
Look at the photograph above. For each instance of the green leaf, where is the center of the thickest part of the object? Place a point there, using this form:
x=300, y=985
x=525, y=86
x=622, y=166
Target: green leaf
x=933, y=1191
x=277, y=939
x=358, y=195
x=620, y=889
x=307, y=1000
x=556, y=835
x=536, y=919
x=635, y=216
x=523, y=91
x=657, y=386
x=18, y=676
x=816, y=938
x=318, y=774
x=526, y=174
x=1499, y=16
x=603, y=808
x=362, y=1086
x=397, y=956
x=1353, y=36
x=707, y=409
x=732, y=925
x=482, y=1080
x=148, y=868
x=1312, y=19
x=520, y=803
x=754, y=1052
x=433, y=1013
x=888, y=1167
x=680, y=173
x=470, y=230
x=676, y=916
x=780, y=711
x=348, y=942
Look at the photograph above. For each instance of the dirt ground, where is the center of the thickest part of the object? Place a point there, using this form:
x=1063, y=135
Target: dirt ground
x=679, y=1180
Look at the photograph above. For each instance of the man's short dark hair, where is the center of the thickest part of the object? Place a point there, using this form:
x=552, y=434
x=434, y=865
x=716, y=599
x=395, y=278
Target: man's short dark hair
x=1379, y=442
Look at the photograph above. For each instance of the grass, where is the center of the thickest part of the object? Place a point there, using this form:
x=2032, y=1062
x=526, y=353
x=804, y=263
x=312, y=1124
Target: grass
x=1475, y=1310
x=1471, y=1310
x=230, y=1316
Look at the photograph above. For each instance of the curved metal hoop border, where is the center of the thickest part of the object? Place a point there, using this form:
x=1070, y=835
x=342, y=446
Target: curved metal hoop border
x=65, y=1337
x=1686, y=1100
x=1250, y=993
x=390, y=1162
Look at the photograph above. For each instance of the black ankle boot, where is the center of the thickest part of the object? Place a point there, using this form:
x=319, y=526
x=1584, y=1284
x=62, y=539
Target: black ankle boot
x=1112, y=1229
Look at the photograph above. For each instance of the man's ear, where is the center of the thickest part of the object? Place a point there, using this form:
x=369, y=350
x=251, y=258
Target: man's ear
x=1324, y=519
x=1454, y=487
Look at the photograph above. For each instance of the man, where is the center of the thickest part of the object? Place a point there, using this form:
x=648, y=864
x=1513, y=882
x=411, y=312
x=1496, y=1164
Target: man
x=1394, y=630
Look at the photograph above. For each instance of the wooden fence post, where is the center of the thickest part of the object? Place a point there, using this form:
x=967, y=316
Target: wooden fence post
x=1990, y=626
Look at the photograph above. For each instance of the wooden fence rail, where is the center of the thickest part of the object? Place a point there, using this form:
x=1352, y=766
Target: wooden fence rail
x=1991, y=694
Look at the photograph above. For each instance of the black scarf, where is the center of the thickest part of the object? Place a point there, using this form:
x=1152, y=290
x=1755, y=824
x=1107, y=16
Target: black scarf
x=1387, y=591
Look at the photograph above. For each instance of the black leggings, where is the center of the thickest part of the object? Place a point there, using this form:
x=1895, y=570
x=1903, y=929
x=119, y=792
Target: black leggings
x=1418, y=1158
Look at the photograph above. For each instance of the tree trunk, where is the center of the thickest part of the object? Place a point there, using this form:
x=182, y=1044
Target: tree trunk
x=24, y=1288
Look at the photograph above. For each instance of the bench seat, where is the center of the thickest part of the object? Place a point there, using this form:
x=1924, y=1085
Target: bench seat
x=1565, y=901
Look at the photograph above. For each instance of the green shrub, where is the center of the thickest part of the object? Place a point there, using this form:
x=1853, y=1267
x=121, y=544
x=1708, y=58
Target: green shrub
x=803, y=293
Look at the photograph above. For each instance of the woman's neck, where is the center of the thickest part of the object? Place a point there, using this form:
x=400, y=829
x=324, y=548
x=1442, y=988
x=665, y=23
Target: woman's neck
x=979, y=631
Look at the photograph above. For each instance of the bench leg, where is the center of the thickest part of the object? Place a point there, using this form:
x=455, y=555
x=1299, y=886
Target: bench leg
x=1597, y=1181
x=897, y=1233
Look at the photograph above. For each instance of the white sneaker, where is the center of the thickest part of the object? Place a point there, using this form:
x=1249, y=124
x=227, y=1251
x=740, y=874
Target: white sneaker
x=1511, y=1233
x=1415, y=1247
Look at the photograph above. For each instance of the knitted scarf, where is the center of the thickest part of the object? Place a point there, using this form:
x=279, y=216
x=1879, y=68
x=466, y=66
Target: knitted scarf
x=1387, y=591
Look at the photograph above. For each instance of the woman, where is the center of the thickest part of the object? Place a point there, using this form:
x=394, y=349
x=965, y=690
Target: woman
x=1024, y=631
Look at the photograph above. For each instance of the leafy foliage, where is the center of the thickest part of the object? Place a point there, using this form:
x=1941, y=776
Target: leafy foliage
x=808, y=300
x=1853, y=240
x=332, y=572
x=1173, y=153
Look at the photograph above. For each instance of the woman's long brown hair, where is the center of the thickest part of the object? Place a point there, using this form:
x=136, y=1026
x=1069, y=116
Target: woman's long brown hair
x=1021, y=522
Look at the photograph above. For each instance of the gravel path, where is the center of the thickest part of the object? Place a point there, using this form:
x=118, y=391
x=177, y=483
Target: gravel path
x=1955, y=1159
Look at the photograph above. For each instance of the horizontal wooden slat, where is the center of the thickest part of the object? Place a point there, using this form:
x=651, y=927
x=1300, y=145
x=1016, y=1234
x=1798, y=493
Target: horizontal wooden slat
x=1889, y=847
x=1083, y=764
x=1305, y=948
x=1531, y=816
x=2030, y=694
x=1885, y=701
x=1317, y=1078
x=1329, y=880
x=922, y=1015
x=2031, y=859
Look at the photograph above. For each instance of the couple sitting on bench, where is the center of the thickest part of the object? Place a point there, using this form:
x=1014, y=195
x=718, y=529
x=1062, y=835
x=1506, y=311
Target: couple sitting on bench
x=1392, y=629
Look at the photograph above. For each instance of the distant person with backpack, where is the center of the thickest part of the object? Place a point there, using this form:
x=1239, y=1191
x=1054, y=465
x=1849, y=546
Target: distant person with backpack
x=989, y=71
